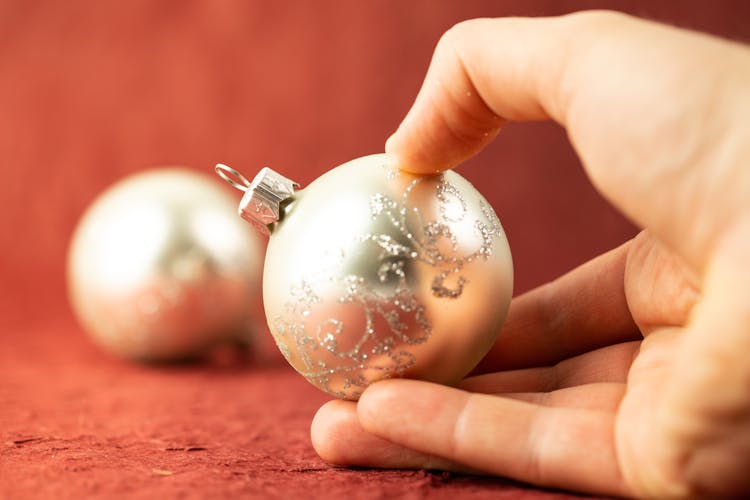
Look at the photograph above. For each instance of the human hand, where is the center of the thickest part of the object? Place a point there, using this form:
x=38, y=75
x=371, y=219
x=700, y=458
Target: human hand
x=629, y=375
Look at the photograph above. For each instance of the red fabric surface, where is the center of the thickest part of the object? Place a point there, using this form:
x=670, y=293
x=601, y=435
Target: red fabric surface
x=92, y=91
x=81, y=423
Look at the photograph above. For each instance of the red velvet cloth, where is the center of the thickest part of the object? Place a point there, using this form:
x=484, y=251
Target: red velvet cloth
x=92, y=91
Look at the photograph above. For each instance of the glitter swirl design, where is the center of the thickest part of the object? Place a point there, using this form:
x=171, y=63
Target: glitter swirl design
x=391, y=312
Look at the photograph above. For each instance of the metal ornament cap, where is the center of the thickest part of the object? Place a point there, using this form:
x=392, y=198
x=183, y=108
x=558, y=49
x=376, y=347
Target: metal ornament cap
x=261, y=205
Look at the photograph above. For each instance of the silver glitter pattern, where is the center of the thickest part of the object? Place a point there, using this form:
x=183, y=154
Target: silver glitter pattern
x=343, y=361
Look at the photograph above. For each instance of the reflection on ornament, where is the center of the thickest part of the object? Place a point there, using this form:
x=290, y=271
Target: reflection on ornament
x=373, y=273
x=159, y=267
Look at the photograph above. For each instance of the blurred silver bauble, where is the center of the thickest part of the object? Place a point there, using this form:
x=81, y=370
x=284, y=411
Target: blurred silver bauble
x=160, y=268
x=373, y=273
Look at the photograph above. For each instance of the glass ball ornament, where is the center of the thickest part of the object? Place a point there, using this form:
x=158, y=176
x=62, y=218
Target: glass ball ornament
x=160, y=269
x=373, y=273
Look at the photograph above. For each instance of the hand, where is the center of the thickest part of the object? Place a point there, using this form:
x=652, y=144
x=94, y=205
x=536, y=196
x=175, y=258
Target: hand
x=630, y=375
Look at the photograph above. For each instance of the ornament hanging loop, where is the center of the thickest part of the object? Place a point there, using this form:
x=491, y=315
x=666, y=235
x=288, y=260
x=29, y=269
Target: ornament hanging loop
x=233, y=177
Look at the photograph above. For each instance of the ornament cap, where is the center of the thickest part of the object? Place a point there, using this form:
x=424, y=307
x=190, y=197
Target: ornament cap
x=262, y=203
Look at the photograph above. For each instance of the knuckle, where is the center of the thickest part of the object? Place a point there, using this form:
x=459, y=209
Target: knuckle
x=453, y=36
x=460, y=32
x=602, y=19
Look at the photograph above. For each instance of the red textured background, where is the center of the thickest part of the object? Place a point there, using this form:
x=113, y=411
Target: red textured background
x=93, y=90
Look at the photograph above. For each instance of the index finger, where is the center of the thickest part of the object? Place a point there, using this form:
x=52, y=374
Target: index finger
x=651, y=110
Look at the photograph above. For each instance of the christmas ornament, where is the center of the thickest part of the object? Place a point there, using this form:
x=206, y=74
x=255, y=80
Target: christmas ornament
x=373, y=273
x=160, y=268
